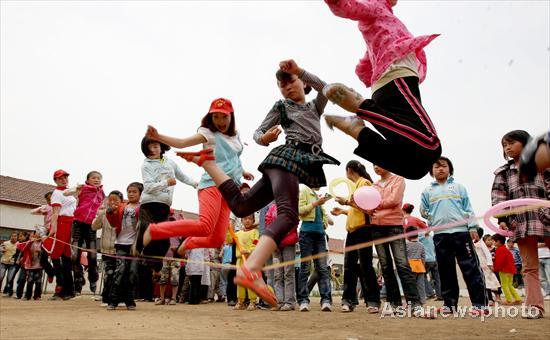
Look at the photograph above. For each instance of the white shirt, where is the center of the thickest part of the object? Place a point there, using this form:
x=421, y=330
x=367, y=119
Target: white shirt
x=67, y=203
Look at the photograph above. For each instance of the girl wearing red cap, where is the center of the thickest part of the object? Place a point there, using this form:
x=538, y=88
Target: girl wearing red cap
x=299, y=160
x=221, y=140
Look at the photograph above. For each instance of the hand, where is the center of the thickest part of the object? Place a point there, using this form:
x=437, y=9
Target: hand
x=337, y=211
x=171, y=182
x=330, y=222
x=152, y=132
x=340, y=200
x=474, y=235
x=79, y=186
x=248, y=176
x=320, y=201
x=290, y=66
x=271, y=135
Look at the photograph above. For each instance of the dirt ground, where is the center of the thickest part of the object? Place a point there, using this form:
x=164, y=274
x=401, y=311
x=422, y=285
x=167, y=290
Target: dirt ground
x=82, y=318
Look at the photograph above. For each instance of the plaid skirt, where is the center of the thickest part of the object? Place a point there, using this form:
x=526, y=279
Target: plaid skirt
x=306, y=165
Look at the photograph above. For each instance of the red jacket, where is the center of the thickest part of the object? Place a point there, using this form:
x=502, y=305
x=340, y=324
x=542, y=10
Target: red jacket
x=504, y=261
x=89, y=200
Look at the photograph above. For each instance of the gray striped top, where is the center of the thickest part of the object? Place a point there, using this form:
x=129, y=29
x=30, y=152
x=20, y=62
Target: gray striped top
x=415, y=250
x=306, y=126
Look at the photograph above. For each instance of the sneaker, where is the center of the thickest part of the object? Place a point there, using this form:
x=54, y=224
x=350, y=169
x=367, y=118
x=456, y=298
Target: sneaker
x=286, y=307
x=239, y=306
x=263, y=306
x=220, y=299
x=121, y=304
x=372, y=310
x=111, y=307
x=343, y=96
x=131, y=307
x=159, y=302
x=304, y=307
x=532, y=313
x=326, y=307
x=103, y=304
x=445, y=310
x=5, y=295
x=346, y=309
x=172, y=302
x=55, y=297
x=231, y=303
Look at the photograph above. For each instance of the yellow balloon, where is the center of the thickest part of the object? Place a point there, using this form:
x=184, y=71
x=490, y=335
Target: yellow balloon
x=337, y=181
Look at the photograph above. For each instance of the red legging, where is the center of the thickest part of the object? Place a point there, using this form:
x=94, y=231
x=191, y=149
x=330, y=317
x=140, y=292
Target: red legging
x=208, y=232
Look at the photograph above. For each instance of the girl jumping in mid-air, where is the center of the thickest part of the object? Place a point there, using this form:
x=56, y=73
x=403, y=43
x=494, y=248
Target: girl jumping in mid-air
x=393, y=66
x=217, y=132
x=299, y=160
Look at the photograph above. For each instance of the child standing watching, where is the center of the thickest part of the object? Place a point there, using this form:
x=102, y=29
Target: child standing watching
x=446, y=201
x=393, y=67
x=46, y=211
x=124, y=217
x=247, y=239
x=518, y=277
x=505, y=267
x=486, y=264
x=107, y=243
x=417, y=260
x=530, y=227
x=159, y=177
x=199, y=275
x=32, y=266
x=90, y=197
x=170, y=272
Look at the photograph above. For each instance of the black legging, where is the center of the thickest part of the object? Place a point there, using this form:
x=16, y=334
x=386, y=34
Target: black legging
x=277, y=184
x=154, y=212
x=407, y=143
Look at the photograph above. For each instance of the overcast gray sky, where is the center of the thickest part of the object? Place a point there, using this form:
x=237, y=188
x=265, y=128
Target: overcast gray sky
x=81, y=80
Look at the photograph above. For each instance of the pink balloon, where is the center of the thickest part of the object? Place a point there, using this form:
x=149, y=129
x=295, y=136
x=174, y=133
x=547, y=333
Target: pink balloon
x=367, y=197
x=502, y=206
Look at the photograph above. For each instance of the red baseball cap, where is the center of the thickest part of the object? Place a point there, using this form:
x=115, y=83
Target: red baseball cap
x=221, y=105
x=407, y=206
x=60, y=173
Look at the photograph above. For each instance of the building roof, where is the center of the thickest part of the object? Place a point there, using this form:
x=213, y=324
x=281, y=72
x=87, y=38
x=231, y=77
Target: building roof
x=336, y=245
x=21, y=191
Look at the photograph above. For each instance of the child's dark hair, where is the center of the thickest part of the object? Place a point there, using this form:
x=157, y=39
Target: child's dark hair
x=117, y=193
x=449, y=163
x=136, y=185
x=499, y=238
x=145, y=146
x=408, y=208
x=287, y=77
x=358, y=168
x=515, y=136
x=208, y=123
x=480, y=231
x=48, y=194
x=411, y=229
x=93, y=172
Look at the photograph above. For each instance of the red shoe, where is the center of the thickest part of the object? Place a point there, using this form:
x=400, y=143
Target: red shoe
x=50, y=279
x=204, y=155
x=247, y=281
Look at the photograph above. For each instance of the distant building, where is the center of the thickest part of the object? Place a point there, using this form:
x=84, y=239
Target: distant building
x=17, y=198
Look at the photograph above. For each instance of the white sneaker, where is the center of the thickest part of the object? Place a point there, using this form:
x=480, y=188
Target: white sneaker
x=345, y=309
x=326, y=307
x=104, y=304
x=121, y=304
x=304, y=307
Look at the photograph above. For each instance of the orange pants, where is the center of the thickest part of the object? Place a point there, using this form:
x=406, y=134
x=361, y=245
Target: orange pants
x=208, y=231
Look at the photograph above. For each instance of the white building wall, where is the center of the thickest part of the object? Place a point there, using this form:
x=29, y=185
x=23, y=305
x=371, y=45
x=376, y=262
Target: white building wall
x=18, y=217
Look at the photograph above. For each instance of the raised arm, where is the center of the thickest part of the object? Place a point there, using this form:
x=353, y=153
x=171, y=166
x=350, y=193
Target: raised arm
x=268, y=130
x=354, y=9
x=173, y=141
x=183, y=177
x=315, y=82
